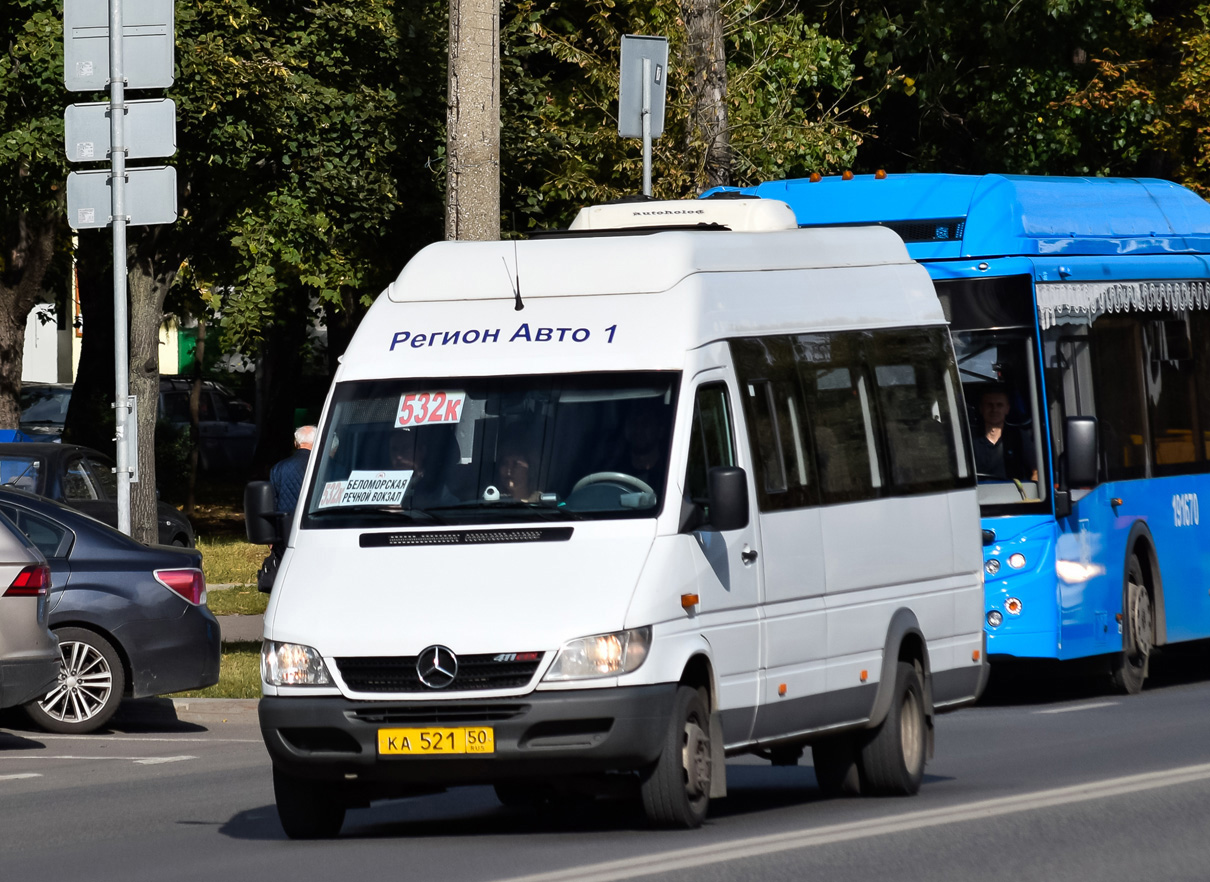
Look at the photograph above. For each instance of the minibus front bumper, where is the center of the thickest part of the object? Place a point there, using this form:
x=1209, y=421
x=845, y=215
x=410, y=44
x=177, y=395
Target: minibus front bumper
x=539, y=735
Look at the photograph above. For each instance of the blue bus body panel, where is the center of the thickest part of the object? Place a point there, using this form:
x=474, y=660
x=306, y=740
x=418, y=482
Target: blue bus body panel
x=1069, y=591
x=1011, y=214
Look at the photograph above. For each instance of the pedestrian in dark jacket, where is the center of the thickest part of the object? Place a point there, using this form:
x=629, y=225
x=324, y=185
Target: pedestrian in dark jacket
x=286, y=478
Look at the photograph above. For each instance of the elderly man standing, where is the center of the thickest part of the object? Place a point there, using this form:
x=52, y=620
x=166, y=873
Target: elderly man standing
x=286, y=478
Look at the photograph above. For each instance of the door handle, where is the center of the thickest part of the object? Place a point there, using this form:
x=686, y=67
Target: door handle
x=748, y=555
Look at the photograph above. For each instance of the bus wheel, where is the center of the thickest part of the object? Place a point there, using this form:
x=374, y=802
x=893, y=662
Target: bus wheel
x=835, y=761
x=676, y=790
x=892, y=760
x=1138, y=633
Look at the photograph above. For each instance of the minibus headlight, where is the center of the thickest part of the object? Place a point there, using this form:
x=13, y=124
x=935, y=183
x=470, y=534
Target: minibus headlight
x=290, y=664
x=602, y=655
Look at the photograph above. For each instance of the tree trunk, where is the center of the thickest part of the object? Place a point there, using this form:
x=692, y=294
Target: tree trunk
x=22, y=273
x=472, y=196
x=152, y=273
x=708, y=126
x=90, y=417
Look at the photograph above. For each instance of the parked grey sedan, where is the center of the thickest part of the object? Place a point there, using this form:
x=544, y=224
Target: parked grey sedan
x=29, y=653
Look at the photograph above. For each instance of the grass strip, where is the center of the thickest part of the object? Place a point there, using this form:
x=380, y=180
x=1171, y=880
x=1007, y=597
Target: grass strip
x=239, y=674
x=229, y=561
x=246, y=601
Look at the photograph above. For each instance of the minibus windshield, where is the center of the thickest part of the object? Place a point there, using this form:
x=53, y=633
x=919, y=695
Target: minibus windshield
x=477, y=449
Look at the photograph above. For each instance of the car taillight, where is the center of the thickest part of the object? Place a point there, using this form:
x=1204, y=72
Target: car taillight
x=33, y=581
x=190, y=584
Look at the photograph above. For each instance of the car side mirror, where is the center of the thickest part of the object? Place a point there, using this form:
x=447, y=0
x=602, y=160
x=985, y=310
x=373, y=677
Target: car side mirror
x=260, y=514
x=1080, y=450
x=727, y=488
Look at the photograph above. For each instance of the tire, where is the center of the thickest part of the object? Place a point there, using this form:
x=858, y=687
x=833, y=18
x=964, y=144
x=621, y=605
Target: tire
x=676, y=790
x=91, y=683
x=1130, y=667
x=836, y=766
x=307, y=809
x=892, y=757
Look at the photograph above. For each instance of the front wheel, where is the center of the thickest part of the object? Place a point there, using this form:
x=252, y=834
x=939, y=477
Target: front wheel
x=1138, y=632
x=90, y=687
x=892, y=758
x=676, y=791
x=307, y=809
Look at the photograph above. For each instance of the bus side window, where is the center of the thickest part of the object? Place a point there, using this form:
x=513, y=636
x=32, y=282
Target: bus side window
x=711, y=441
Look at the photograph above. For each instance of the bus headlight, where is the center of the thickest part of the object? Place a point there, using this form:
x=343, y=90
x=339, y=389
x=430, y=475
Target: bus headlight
x=290, y=664
x=602, y=655
x=994, y=618
x=992, y=566
x=1017, y=561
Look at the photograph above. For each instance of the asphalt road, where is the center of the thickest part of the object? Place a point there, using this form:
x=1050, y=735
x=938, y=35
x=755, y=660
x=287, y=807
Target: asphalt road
x=1041, y=781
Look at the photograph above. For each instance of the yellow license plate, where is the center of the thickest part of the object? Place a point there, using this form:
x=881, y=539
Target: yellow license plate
x=435, y=740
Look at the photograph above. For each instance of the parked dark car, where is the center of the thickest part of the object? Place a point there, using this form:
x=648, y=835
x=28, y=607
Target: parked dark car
x=84, y=479
x=226, y=429
x=131, y=619
x=44, y=409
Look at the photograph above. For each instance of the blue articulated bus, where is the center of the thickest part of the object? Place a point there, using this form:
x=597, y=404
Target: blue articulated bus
x=1080, y=313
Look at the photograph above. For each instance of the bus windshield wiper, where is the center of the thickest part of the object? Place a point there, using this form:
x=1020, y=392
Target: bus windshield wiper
x=392, y=511
x=555, y=512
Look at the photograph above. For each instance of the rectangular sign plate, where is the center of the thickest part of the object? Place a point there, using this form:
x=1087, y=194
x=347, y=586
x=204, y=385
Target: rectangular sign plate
x=148, y=44
x=150, y=196
x=434, y=740
x=149, y=130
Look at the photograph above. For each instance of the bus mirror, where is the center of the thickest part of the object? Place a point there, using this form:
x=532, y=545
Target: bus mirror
x=728, y=491
x=260, y=514
x=1080, y=449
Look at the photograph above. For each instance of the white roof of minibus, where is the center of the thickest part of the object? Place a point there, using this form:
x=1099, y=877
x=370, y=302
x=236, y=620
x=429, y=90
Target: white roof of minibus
x=451, y=312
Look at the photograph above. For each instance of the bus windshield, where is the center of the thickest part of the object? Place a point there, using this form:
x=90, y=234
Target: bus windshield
x=999, y=383
x=470, y=450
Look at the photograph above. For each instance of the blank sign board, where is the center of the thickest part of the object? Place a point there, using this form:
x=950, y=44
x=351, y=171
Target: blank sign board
x=147, y=44
x=149, y=130
x=630, y=96
x=149, y=195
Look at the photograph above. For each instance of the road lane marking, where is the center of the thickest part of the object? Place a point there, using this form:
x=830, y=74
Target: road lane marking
x=139, y=738
x=1078, y=707
x=142, y=760
x=759, y=846
x=20, y=775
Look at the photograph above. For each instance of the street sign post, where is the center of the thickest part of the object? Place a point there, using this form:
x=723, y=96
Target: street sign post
x=120, y=44
x=643, y=83
x=150, y=130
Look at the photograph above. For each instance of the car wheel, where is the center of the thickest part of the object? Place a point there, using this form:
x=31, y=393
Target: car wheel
x=676, y=791
x=180, y=541
x=307, y=809
x=892, y=760
x=90, y=687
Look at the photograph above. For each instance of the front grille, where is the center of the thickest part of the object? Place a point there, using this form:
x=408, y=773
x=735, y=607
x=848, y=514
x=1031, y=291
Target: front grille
x=440, y=714
x=949, y=229
x=398, y=673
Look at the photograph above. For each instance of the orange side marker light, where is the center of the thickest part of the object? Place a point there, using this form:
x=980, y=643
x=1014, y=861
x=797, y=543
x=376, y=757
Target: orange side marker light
x=975, y=655
x=781, y=690
x=688, y=601
x=864, y=676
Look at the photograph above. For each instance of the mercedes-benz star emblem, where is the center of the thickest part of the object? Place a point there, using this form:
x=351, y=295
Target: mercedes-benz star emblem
x=437, y=666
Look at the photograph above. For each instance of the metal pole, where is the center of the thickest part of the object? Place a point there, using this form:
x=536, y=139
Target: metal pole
x=117, y=160
x=646, y=126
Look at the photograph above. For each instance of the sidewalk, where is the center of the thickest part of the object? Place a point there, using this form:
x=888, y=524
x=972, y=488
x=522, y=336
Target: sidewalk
x=236, y=628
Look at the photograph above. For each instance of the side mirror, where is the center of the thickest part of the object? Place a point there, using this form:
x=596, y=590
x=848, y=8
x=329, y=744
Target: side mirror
x=727, y=487
x=1080, y=450
x=260, y=514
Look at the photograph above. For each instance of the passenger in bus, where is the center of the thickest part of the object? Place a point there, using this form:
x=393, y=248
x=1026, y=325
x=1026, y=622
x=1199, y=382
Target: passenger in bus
x=425, y=452
x=515, y=478
x=646, y=443
x=1001, y=450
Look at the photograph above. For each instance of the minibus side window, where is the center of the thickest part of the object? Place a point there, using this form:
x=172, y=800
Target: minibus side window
x=845, y=430
x=711, y=442
x=778, y=423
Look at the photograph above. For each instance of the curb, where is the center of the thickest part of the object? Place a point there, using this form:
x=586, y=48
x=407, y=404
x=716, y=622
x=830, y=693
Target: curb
x=208, y=711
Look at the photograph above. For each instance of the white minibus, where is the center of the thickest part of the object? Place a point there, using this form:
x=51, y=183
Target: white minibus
x=596, y=510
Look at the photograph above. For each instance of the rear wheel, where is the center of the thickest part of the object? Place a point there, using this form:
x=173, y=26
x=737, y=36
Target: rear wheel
x=90, y=687
x=308, y=809
x=892, y=759
x=676, y=791
x=1138, y=632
